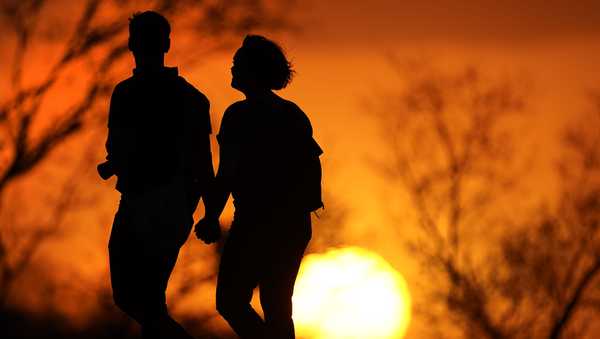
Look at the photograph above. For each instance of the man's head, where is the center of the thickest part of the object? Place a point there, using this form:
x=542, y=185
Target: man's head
x=149, y=34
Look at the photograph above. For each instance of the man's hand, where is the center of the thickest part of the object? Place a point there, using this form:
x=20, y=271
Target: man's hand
x=208, y=230
x=105, y=170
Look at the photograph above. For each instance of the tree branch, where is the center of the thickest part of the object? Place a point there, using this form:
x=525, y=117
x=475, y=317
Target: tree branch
x=571, y=305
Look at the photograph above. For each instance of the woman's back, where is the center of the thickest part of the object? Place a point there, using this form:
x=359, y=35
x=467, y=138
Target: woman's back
x=269, y=140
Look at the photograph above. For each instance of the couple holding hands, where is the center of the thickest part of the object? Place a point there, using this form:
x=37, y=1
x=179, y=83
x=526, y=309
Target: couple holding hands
x=158, y=146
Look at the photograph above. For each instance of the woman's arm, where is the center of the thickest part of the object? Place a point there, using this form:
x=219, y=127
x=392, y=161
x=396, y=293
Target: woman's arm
x=208, y=229
x=216, y=197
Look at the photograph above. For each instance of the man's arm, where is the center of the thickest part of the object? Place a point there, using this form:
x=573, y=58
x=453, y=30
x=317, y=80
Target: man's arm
x=219, y=193
x=228, y=157
x=113, y=142
x=199, y=168
x=208, y=229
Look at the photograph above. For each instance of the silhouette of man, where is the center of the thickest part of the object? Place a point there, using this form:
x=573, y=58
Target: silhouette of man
x=159, y=148
x=269, y=163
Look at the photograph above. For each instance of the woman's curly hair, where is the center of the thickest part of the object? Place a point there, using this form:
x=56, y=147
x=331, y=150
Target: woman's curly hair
x=265, y=59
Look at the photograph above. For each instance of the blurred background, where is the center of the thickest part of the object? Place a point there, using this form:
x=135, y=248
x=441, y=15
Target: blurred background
x=462, y=159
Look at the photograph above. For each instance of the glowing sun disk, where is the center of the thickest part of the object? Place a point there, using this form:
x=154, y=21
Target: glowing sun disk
x=350, y=293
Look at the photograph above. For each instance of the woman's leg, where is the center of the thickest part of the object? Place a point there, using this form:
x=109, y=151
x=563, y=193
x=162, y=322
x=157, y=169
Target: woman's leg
x=278, y=279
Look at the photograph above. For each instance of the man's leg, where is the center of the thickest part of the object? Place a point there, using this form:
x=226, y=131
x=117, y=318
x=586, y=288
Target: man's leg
x=125, y=270
x=157, y=322
x=235, y=284
x=139, y=277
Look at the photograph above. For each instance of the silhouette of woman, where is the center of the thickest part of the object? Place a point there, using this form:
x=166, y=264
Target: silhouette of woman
x=269, y=162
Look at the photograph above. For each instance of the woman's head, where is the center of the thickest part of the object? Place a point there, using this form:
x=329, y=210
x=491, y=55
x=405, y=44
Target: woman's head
x=260, y=64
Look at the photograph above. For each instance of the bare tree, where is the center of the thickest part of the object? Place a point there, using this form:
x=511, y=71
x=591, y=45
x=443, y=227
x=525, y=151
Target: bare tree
x=58, y=44
x=21, y=240
x=99, y=41
x=526, y=276
x=448, y=148
x=555, y=260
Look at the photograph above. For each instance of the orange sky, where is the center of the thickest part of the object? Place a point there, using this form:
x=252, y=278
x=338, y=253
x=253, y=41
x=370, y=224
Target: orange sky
x=341, y=54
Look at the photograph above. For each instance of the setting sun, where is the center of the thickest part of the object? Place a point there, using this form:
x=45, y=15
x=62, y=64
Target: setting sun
x=350, y=293
x=161, y=160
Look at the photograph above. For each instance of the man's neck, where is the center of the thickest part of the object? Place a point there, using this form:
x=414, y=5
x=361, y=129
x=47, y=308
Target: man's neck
x=150, y=63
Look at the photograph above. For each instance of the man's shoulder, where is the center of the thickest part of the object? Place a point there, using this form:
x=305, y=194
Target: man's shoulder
x=196, y=104
x=123, y=86
x=192, y=92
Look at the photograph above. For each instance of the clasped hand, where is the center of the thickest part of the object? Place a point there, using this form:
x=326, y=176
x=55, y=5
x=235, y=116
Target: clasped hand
x=208, y=230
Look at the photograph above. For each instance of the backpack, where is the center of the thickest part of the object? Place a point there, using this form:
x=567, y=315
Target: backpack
x=310, y=191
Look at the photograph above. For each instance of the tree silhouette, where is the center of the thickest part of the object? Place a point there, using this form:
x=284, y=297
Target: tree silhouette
x=100, y=41
x=555, y=259
x=65, y=60
x=495, y=276
x=447, y=146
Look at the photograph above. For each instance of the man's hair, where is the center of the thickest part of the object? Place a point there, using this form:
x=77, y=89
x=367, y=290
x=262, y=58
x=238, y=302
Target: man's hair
x=267, y=60
x=149, y=33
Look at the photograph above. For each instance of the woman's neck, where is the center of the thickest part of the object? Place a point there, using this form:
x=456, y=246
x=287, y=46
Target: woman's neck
x=258, y=94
